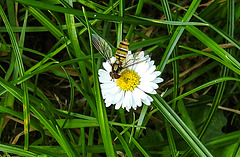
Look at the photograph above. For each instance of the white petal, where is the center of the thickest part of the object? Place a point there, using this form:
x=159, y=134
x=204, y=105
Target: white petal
x=150, y=98
x=158, y=80
x=149, y=74
x=109, y=85
x=113, y=59
x=112, y=93
x=102, y=72
x=157, y=73
x=134, y=105
x=145, y=88
x=104, y=76
x=151, y=69
x=141, y=54
x=151, y=63
x=105, y=80
x=139, y=66
x=107, y=105
x=147, y=57
x=113, y=96
x=126, y=101
x=143, y=69
x=148, y=78
x=151, y=84
x=118, y=105
x=142, y=95
x=153, y=92
x=119, y=96
x=131, y=100
x=107, y=66
x=109, y=92
x=136, y=98
x=146, y=102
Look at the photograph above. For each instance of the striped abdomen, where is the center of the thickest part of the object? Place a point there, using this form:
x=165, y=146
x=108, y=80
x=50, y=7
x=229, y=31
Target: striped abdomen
x=122, y=51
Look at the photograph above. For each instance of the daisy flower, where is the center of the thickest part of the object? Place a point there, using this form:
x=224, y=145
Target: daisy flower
x=135, y=83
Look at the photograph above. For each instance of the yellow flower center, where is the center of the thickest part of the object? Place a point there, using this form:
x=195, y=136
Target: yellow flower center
x=128, y=81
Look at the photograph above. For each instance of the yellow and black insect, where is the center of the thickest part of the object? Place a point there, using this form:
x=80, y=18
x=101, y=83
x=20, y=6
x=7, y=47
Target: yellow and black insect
x=105, y=50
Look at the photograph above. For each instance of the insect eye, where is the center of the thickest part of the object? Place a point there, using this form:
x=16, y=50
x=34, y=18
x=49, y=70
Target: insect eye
x=125, y=40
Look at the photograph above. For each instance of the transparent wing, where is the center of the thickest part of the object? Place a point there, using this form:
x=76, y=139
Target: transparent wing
x=102, y=46
x=135, y=59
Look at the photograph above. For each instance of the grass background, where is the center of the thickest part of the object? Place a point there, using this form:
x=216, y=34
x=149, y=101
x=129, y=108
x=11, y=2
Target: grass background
x=51, y=103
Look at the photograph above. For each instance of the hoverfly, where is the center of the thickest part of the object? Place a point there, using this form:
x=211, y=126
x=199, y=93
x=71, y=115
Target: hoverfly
x=105, y=50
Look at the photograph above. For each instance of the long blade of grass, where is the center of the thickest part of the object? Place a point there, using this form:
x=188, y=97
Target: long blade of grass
x=228, y=58
x=49, y=124
x=219, y=31
x=224, y=140
x=19, y=62
x=123, y=142
x=46, y=22
x=101, y=110
x=120, y=25
x=218, y=80
x=168, y=16
x=177, y=34
x=56, y=132
x=221, y=86
x=111, y=8
x=12, y=72
x=180, y=126
x=219, y=60
x=194, y=76
x=129, y=19
x=72, y=32
x=138, y=11
x=140, y=148
x=16, y=150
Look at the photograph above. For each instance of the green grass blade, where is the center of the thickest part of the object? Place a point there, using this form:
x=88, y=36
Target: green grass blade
x=149, y=42
x=221, y=86
x=177, y=34
x=171, y=141
x=181, y=128
x=123, y=142
x=43, y=119
x=175, y=65
x=138, y=11
x=72, y=32
x=140, y=148
x=228, y=58
x=16, y=150
x=227, y=64
x=138, y=130
x=129, y=19
x=120, y=25
x=101, y=110
x=56, y=132
x=46, y=22
x=83, y=145
x=17, y=54
x=185, y=116
x=219, y=31
x=218, y=80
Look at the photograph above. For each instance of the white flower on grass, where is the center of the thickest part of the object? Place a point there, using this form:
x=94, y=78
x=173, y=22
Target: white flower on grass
x=135, y=83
